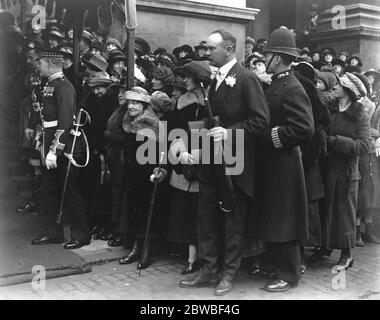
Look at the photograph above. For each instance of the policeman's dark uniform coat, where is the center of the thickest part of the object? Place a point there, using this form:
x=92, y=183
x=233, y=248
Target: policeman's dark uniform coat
x=58, y=111
x=281, y=219
x=282, y=192
x=242, y=106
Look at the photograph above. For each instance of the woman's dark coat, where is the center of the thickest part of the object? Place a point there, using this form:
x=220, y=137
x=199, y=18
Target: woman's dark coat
x=348, y=138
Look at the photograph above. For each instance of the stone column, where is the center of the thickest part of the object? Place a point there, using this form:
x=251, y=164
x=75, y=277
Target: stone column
x=352, y=26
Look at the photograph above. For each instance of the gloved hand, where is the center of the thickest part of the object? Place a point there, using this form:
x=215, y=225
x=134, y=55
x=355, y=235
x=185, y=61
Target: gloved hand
x=218, y=133
x=158, y=175
x=29, y=134
x=51, y=160
x=186, y=158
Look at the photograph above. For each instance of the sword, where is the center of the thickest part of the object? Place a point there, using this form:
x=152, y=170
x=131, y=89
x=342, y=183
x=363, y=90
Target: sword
x=76, y=133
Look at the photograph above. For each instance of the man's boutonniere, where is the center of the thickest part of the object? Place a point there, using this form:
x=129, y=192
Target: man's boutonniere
x=231, y=80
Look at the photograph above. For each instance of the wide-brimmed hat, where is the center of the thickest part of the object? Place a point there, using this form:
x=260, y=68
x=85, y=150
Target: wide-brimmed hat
x=326, y=51
x=96, y=62
x=114, y=41
x=115, y=56
x=353, y=84
x=322, y=75
x=118, y=86
x=201, y=45
x=360, y=64
x=67, y=52
x=374, y=73
x=141, y=46
x=166, y=61
x=163, y=74
x=338, y=62
x=199, y=70
x=54, y=32
x=138, y=94
x=161, y=102
x=99, y=81
x=147, y=65
x=282, y=41
x=364, y=80
x=87, y=37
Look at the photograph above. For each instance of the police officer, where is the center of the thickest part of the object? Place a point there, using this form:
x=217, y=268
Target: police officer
x=281, y=220
x=57, y=116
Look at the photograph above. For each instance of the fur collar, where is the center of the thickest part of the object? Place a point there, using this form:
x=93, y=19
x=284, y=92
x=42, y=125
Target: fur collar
x=355, y=111
x=147, y=125
x=189, y=98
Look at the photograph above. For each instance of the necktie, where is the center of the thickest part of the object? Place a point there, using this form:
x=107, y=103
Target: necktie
x=219, y=79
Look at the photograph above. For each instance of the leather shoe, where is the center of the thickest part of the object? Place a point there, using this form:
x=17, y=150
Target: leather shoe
x=75, y=244
x=199, y=281
x=28, y=208
x=118, y=241
x=279, y=286
x=345, y=262
x=191, y=268
x=223, y=287
x=133, y=255
x=45, y=240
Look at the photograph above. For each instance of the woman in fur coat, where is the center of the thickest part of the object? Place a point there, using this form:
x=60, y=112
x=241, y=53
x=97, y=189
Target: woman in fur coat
x=142, y=129
x=184, y=180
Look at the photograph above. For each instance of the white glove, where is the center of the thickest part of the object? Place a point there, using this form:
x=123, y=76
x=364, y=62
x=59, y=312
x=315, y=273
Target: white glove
x=158, y=175
x=51, y=160
x=186, y=158
x=29, y=134
x=218, y=133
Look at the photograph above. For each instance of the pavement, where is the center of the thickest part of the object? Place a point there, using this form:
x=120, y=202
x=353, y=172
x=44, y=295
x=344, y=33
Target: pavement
x=109, y=280
x=160, y=282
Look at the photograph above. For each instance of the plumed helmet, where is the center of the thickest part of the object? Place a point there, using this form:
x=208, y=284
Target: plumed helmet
x=282, y=40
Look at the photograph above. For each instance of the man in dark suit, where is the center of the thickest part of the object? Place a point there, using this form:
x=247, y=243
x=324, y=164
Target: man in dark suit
x=237, y=98
x=281, y=220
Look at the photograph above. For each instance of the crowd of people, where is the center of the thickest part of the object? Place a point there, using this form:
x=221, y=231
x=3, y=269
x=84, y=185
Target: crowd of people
x=311, y=175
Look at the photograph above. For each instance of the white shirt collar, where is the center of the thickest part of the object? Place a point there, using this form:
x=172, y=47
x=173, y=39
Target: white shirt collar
x=55, y=76
x=227, y=67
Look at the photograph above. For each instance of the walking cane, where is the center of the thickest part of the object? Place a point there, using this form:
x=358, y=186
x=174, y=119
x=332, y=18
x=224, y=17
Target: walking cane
x=224, y=176
x=75, y=133
x=150, y=214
